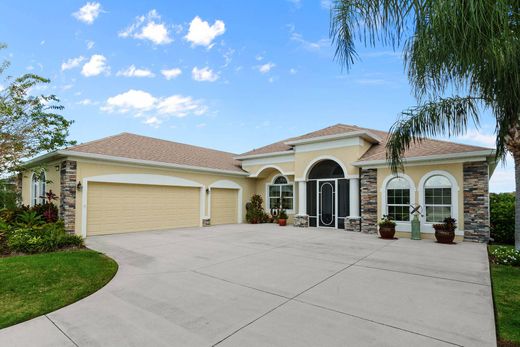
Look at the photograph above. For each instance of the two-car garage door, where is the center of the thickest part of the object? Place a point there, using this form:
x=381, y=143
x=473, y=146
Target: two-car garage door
x=115, y=208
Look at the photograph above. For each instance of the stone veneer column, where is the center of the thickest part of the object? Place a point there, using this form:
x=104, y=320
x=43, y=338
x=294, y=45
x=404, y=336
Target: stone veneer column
x=19, y=183
x=68, y=170
x=476, y=201
x=369, y=201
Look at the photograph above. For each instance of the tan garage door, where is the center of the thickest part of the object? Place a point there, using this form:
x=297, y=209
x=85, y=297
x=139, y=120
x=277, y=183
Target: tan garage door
x=117, y=208
x=224, y=206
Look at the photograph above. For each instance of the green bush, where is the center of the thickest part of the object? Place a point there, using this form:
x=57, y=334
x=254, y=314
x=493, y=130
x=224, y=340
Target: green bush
x=9, y=197
x=254, y=210
x=502, y=210
x=504, y=256
x=41, y=238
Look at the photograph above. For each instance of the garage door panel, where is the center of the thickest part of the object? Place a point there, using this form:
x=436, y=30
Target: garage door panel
x=115, y=208
x=224, y=206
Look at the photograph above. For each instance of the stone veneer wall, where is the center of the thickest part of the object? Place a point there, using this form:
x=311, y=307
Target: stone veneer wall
x=301, y=221
x=68, y=170
x=476, y=201
x=369, y=201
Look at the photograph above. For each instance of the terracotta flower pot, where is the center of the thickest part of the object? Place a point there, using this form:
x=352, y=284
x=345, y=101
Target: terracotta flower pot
x=282, y=222
x=444, y=236
x=387, y=232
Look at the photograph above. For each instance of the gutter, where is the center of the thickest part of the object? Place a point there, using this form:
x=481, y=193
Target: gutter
x=438, y=157
x=83, y=155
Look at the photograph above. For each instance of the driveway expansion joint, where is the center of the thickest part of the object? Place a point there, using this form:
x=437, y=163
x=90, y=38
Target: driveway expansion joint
x=57, y=327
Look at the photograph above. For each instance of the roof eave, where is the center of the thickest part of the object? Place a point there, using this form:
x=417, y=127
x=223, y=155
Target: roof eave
x=95, y=156
x=263, y=155
x=366, y=135
x=488, y=154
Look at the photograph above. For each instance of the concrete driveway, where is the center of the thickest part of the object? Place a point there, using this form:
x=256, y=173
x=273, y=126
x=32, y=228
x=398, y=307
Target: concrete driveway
x=263, y=285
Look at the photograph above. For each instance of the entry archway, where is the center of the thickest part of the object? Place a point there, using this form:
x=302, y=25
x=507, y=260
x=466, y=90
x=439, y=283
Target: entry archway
x=327, y=194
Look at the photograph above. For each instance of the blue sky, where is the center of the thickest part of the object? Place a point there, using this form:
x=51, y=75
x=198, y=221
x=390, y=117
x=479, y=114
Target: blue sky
x=230, y=75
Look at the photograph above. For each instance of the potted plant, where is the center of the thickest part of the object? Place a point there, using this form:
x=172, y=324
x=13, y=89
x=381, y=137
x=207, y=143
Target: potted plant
x=387, y=227
x=282, y=218
x=445, y=231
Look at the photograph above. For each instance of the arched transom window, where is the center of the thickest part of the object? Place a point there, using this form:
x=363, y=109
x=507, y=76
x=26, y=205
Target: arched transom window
x=280, y=194
x=38, y=188
x=398, y=199
x=437, y=198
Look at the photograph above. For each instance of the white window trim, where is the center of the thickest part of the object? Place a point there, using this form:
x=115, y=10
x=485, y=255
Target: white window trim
x=427, y=226
x=267, y=198
x=39, y=190
x=400, y=225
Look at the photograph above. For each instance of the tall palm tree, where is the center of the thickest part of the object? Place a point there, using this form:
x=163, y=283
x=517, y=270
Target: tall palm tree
x=461, y=56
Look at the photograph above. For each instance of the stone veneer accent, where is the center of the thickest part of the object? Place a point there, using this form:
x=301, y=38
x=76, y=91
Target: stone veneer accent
x=68, y=170
x=206, y=222
x=301, y=221
x=368, y=184
x=353, y=224
x=19, y=183
x=476, y=201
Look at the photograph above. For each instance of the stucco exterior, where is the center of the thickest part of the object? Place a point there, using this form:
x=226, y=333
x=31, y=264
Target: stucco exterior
x=365, y=182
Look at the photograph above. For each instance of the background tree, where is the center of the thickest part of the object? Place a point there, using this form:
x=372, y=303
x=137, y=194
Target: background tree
x=29, y=124
x=461, y=57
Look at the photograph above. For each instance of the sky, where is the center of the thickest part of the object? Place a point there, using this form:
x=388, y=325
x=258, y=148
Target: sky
x=229, y=75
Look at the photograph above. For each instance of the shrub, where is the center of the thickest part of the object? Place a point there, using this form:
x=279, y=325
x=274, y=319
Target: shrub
x=29, y=219
x=502, y=210
x=255, y=212
x=9, y=197
x=48, y=211
x=282, y=214
x=504, y=256
x=386, y=222
x=10, y=215
x=41, y=238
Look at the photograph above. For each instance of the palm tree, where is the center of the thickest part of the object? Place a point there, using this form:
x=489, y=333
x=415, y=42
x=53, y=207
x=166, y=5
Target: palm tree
x=461, y=57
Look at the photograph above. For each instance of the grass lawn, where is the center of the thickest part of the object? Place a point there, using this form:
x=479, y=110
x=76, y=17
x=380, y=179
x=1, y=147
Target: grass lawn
x=506, y=294
x=32, y=285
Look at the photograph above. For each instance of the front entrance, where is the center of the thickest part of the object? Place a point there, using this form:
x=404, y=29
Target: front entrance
x=327, y=203
x=327, y=195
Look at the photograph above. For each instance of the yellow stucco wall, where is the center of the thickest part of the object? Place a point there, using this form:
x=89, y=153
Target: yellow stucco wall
x=286, y=168
x=416, y=173
x=345, y=155
x=51, y=173
x=96, y=168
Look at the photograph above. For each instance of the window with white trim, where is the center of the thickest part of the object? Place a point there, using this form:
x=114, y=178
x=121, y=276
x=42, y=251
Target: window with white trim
x=38, y=188
x=398, y=199
x=280, y=193
x=437, y=199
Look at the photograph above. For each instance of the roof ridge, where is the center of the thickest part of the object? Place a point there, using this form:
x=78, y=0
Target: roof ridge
x=98, y=140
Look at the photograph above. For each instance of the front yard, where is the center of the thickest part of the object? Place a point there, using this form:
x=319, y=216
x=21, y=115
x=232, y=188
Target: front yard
x=33, y=285
x=506, y=294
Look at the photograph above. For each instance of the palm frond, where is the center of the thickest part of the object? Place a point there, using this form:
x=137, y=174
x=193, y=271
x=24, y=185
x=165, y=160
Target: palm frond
x=446, y=116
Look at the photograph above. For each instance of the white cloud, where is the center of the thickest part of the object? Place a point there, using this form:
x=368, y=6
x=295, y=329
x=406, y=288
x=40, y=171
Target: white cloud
x=326, y=4
x=132, y=100
x=67, y=86
x=86, y=102
x=88, y=13
x=259, y=57
x=171, y=73
x=308, y=45
x=90, y=44
x=153, y=109
x=265, y=68
x=29, y=68
x=150, y=28
x=71, y=63
x=132, y=71
x=42, y=42
x=201, y=33
x=204, y=74
x=201, y=125
x=95, y=66
x=293, y=71
x=296, y=3
x=479, y=138
x=153, y=121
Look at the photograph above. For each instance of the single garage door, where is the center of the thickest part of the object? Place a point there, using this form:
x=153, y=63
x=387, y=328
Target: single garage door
x=118, y=208
x=224, y=206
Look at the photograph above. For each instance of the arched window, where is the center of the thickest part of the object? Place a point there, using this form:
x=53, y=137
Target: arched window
x=438, y=198
x=398, y=199
x=280, y=193
x=38, y=188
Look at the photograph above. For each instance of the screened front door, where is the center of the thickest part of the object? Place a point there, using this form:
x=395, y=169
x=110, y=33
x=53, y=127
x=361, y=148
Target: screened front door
x=327, y=203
